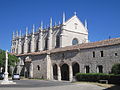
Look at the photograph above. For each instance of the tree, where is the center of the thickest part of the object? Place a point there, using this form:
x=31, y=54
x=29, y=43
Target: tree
x=116, y=68
x=12, y=59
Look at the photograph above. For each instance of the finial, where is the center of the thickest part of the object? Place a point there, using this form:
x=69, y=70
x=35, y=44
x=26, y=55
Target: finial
x=59, y=22
x=55, y=24
x=75, y=13
x=33, y=29
x=51, y=22
x=41, y=26
x=20, y=33
x=63, y=17
x=26, y=31
x=17, y=33
x=85, y=23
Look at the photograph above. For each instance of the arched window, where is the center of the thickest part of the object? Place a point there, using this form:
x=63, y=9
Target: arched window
x=75, y=41
x=57, y=41
x=37, y=45
x=46, y=43
x=99, y=69
x=87, y=69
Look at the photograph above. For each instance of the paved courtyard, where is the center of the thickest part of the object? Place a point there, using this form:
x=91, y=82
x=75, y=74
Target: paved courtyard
x=49, y=85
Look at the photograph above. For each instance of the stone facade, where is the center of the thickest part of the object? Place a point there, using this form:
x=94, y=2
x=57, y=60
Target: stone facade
x=63, y=62
x=96, y=57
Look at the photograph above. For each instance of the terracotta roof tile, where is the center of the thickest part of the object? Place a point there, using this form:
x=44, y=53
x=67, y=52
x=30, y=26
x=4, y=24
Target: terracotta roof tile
x=102, y=43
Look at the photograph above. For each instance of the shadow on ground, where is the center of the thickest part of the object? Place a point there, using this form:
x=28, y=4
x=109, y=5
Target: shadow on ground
x=116, y=87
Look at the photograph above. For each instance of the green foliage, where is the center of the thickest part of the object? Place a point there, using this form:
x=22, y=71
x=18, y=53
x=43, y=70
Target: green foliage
x=116, y=68
x=12, y=59
x=95, y=77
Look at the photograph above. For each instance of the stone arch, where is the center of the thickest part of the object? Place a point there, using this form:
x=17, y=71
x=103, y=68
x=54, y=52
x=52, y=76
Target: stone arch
x=64, y=71
x=76, y=68
x=55, y=72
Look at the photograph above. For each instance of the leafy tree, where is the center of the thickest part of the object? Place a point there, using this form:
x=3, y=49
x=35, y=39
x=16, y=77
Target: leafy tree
x=12, y=59
x=116, y=68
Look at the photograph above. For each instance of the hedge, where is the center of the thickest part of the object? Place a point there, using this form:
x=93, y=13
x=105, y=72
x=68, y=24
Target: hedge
x=95, y=77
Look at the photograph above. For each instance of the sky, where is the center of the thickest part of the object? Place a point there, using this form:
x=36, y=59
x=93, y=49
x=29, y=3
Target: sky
x=103, y=16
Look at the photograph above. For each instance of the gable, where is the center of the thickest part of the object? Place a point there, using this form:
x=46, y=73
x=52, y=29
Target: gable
x=75, y=25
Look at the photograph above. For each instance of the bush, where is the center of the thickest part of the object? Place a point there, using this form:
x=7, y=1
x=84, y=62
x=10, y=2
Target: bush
x=95, y=77
x=116, y=68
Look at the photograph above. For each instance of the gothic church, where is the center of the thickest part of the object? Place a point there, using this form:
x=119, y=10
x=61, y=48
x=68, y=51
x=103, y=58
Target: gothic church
x=59, y=52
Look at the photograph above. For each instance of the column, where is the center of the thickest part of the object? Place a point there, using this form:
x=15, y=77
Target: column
x=33, y=40
x=50, y=36
x=59, y=73
x=49, y=68
x=26, y=42
x=40, y=41
x=70, y=73
x=31, y=70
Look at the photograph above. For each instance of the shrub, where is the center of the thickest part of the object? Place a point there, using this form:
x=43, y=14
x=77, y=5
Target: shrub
x=95, y=77
x=116, y=68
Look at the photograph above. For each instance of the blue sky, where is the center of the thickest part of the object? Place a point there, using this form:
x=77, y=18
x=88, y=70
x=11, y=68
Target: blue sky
x=103, y=16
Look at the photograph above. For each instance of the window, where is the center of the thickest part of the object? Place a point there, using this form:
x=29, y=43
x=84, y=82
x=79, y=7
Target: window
x=116, y=54
x=38, y=67
x=46, y=43
x=76, y=25
x=75, y=41
x=101, y=53
x=100, y=69
x=87, y=69
x=57, y=41
x=93, y=54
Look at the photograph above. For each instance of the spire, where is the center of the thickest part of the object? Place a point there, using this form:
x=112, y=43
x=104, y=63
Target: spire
x=20, y=34
x=26, y=31
x=51, y=22
x=13, y=35
x=59, y=22
x=63, y=17
x=85, y=23
x=55, y=24
x=17, y=33
x=41, y=26
x=33, y=29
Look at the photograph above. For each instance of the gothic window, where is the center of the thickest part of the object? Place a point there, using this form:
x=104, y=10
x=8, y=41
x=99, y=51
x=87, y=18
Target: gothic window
x=38, y=67
x=100, y=69
x=29, y=47
x=57, y=41
x=36, y=46
x=101, y=53
x=75, y=41
x=46, y=43
x=87, y=69
x=93, y=54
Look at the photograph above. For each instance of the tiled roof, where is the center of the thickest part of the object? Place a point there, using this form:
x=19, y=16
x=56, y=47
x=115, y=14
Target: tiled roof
x=102, y=43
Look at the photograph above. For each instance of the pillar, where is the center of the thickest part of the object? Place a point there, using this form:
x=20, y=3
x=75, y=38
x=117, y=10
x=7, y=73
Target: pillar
x=70, y=73
x=50, y=36
x=59, y=73
x=26, y=42
x=49, y=68
x=33, y=40
x=40, y=41
x=31, y=70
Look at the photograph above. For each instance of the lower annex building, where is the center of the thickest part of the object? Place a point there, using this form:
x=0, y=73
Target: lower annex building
x=60, y=51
